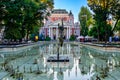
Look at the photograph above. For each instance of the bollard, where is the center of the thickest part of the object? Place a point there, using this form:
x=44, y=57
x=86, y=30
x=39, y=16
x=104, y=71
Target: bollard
x=35, y=61
x=53, y=70
x=89, y=68
x=83, y=70
x=24, y=69
x=96, y=67
x=46, y=69
x=30, y=69
x=38, y=68
x=17, y=68
x=98, y=78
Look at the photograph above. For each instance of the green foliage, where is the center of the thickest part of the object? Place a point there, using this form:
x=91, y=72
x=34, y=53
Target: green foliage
x=84, y=17
x=13, y=34
x=47, y=38
x=102, y=9
x=118, y=26
x=93, y=31
x=23, y=17
x=84, y=11
x=105, y=31
x=35, y=30
x=84, y=28
x=115, y=11
x=32, y=37
x=12, y=20
x=72, y=37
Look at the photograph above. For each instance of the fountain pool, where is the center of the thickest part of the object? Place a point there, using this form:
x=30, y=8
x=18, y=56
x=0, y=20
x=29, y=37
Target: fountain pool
x=86, y=63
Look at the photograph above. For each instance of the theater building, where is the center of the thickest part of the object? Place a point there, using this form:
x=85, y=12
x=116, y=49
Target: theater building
x=50, y=27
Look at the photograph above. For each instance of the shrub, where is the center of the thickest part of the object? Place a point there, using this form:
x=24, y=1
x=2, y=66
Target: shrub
x=47, y=38
x=72, y=37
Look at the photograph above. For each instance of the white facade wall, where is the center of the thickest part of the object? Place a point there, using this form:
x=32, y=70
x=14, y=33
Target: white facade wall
x=52, y=25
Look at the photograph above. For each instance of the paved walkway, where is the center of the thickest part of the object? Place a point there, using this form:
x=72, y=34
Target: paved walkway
x=98, y=46
x=17, y=45
x=3, y=74
x=103, y=47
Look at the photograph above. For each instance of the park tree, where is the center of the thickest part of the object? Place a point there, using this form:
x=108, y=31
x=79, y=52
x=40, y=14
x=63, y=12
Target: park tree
x=23, y=17
x=84, y=18
x=3, y=12
x=117, y=29
x=101, y=9
x=93, y=31
x=30, y=21
x=13, y=19
x=38, y=10
x=115, y=11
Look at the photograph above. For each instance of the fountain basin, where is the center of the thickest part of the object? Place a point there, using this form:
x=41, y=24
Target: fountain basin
x=56, y=59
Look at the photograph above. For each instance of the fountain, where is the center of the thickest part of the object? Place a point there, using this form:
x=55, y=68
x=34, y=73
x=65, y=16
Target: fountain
x=59, y=58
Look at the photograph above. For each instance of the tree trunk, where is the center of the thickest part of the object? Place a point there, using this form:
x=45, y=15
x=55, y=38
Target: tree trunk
x=106, y=33
x=115, y=24
x=105, y=38
x=27, y=35
x=98, y=34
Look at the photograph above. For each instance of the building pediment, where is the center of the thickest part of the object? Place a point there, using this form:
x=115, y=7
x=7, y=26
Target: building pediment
x=55, y=23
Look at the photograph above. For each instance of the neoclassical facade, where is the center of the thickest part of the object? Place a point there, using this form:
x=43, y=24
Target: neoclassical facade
x=50, y=27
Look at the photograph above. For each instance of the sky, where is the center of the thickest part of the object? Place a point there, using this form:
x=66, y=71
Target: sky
x=73, y=5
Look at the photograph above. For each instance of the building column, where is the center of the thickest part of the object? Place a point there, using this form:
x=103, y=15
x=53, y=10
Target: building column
x=49, y=49
x=62, y=50
x=52, y=48
x=57, y=32
x=67, y=33
x=49, y=32
x=45, y=31
x=67, y=48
